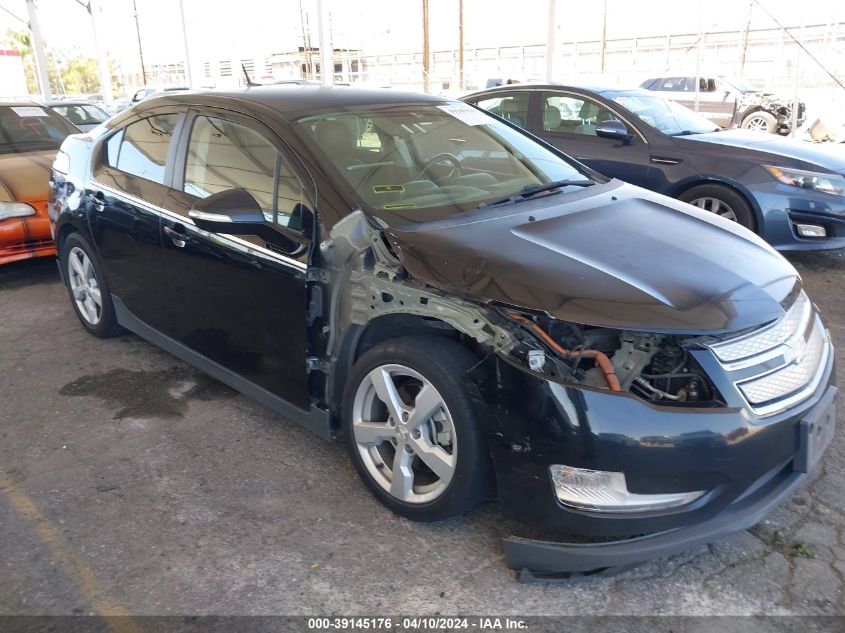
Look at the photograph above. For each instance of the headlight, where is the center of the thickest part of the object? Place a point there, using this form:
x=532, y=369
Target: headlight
x=817, y=181
x=15, y=210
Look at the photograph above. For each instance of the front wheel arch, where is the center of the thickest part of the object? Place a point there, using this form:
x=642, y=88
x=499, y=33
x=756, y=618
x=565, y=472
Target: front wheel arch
x=733, y=186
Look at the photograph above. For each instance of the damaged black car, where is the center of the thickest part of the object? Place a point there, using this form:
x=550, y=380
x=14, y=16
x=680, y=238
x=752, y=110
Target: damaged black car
x=476, y=315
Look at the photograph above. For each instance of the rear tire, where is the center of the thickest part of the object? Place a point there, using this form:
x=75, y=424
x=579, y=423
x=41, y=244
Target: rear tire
x=723, y=201
x=87, y=287
x=760, y=121
x=424, y=456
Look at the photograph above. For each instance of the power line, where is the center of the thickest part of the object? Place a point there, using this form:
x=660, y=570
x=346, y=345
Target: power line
x=801, y=46
x=14, y=16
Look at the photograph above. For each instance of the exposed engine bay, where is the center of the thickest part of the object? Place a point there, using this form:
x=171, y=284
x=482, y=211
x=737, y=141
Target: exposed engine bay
x=655, y=367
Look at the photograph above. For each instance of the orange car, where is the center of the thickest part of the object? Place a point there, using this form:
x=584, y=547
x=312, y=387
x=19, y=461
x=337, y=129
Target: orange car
x=30, y=136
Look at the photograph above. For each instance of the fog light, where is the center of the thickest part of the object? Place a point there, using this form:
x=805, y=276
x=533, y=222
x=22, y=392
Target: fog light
x=811, y=230
x=602, y=491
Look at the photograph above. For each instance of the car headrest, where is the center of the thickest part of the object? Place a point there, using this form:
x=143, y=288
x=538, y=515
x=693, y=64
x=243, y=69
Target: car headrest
x=551, y=117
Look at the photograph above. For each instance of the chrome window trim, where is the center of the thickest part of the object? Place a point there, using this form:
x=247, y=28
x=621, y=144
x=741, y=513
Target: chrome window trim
x=236, y=242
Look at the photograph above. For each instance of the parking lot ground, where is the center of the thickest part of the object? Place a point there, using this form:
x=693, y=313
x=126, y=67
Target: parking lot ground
x=130, y=483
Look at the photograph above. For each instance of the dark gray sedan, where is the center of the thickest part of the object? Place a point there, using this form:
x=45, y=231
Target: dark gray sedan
x=790, y=192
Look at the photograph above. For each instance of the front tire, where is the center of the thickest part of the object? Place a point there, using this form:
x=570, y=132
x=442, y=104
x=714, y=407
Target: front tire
x=760, y=121
x=722, y=201
x=412, y=430
x=87, y=287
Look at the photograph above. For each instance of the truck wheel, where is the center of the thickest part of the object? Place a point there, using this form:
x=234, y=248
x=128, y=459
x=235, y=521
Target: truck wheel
x=412, y=430
x=761, y=121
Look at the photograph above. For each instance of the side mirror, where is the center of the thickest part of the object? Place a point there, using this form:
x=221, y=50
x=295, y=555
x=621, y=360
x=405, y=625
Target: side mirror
x=237, y=212
x=614, y=130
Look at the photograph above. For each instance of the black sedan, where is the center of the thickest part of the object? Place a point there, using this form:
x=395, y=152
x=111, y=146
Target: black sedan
x=790, y=192
x=473, y=312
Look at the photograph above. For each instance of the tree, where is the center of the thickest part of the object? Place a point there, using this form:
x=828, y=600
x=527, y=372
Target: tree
x=20, y=42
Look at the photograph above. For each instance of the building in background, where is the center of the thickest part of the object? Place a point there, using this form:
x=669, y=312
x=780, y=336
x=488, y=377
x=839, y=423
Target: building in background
x=12, y=76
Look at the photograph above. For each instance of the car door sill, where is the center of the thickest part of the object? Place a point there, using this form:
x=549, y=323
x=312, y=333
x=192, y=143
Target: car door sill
x=316, y=420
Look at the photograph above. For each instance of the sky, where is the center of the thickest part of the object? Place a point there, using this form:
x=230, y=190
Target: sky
x=259, y=27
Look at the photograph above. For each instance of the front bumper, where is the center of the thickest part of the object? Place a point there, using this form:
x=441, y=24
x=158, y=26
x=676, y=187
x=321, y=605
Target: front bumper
x=24, y=238
x=782, y=207
x=544, y=561
x=748, y=463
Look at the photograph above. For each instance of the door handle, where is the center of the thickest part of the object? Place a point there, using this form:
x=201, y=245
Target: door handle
x=179, y=238
x=98, y=200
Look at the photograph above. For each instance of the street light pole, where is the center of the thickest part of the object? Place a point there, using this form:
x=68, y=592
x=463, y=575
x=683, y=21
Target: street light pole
x=38, y=46
x=102, y=61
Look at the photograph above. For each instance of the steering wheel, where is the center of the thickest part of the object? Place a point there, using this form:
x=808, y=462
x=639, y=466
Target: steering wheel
x=440, y=158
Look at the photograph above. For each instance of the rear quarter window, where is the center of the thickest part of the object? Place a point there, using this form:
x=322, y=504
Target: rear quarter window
x=142, y=147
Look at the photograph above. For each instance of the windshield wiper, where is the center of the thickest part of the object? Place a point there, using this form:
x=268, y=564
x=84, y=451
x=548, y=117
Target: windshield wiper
x=530, y=190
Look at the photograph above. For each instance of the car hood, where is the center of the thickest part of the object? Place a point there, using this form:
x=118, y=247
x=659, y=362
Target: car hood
x=827, y=156
x=610, y=255
x=25, y=177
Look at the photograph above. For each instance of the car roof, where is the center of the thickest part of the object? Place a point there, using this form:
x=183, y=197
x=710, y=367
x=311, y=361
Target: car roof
x=296, y=98
x=597, y=88
x=73, y=102
x=21, y=102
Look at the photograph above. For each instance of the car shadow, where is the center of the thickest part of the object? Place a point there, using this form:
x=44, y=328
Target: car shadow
x=28, y=272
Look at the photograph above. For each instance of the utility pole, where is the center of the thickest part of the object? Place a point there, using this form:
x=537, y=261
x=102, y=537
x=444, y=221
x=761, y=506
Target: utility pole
x=38, y=46
x=185, y=43
x=603, y=35
x=461, y=82
x=793, y=130
x=326, y=49
x=140, y=48
x=698, y=53
x=745, y=39
x=550, y=41
x=426, y=52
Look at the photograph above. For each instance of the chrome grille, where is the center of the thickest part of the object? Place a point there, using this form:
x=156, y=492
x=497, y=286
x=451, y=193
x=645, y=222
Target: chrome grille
x=792, y=354
x=790, y=378
x=769, y=339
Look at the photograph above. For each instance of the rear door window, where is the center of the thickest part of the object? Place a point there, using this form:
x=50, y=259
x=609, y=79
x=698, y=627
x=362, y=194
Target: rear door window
x=512, y=107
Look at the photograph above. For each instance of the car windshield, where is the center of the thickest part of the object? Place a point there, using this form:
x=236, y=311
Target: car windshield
x=81, y=114
x=422, y=162
x=28, y=127
x=665, y=115
x=739, y=84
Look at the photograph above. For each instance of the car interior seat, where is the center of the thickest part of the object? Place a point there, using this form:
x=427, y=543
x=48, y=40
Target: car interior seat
x=514, y=111
x=551, y=118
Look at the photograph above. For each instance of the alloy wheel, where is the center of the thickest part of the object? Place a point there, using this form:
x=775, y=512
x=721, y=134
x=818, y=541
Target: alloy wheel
x=757, y=124
x=404, y=433
x=714, y=205
x=84, y=285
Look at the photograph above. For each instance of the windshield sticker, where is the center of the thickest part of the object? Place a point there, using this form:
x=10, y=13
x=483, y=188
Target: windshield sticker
x=400, y=205
x=388, y=189
x=24, y=111
x=466, y=113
